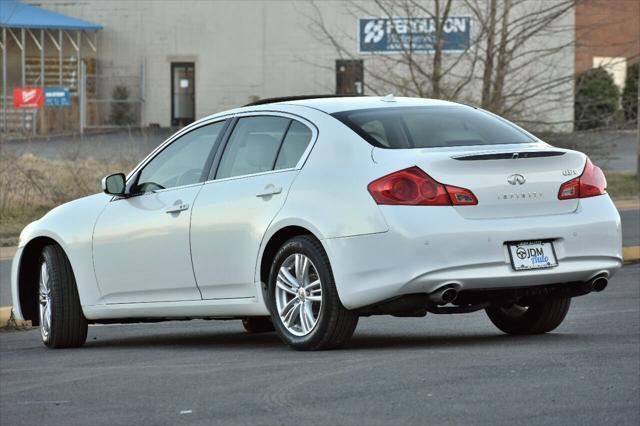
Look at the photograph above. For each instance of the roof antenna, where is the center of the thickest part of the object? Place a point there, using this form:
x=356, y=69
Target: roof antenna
x=389, y=98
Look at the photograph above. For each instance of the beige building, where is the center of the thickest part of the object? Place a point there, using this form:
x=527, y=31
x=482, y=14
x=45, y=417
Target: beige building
x=182, y=60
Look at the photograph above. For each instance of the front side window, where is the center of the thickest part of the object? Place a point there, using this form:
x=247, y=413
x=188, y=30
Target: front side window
x=182, y=162
x=253, y=146
x=429, y=127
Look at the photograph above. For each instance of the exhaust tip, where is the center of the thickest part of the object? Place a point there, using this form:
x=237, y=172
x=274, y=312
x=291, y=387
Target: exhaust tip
x=599, y=284
x=449, y=295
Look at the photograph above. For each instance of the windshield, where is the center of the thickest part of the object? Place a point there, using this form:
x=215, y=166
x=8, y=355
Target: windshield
x=428, y=127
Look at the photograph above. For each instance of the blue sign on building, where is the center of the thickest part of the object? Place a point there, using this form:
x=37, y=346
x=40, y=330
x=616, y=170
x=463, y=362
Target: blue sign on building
x=56, y=97
x=393, y=35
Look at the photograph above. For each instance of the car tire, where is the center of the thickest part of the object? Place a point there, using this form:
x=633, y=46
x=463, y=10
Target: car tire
x=321, y=321
x=536, y=318
x=258, y=324
x=62, y=323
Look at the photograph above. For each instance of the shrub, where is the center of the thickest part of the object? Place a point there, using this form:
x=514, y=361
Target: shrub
x=596, y=100
x=630, y=94
x=121, y=114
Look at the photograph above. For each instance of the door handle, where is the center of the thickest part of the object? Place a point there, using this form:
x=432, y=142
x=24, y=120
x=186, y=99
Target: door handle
x=177, y=208
x=269, y=190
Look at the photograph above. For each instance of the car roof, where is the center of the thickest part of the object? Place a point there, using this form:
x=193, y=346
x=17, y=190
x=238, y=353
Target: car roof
x=331, y=105
x=339, y=104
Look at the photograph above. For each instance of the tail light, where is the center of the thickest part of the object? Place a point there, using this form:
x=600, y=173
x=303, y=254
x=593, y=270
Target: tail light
x=413, y=187
x=589, y=184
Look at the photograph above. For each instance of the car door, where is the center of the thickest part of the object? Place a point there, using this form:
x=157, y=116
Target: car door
x=141, y=242
x=232, y=212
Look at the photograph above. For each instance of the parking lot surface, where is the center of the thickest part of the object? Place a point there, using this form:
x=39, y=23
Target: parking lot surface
x=436, y=370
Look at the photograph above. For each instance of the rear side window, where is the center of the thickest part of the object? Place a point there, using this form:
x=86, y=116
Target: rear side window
x=293, y=146
x=429, y=127
x=263, y=143
x=253, y=146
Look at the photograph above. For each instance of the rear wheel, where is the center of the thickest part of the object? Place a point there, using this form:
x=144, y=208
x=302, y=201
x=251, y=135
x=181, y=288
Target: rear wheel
x=535, y=318
x=257, y=324
x=305, y=308
x=62, y=323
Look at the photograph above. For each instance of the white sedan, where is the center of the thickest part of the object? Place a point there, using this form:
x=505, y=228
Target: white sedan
x=303, y=215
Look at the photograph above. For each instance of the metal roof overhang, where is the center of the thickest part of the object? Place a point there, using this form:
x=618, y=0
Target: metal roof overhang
x=14, y=14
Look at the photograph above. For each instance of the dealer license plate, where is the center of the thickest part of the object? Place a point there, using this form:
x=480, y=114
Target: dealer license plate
x=526, y=255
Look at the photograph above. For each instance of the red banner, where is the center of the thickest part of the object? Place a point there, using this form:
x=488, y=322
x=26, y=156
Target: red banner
x=28, y=97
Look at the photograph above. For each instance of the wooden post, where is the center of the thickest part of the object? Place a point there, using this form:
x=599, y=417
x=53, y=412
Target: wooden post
x=43, y=113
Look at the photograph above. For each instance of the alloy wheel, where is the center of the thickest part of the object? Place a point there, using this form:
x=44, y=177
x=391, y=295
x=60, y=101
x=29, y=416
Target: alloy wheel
x=44, y=298
x=298, y=294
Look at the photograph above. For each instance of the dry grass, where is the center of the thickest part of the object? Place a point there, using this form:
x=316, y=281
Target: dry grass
x=30, y=186
x=623, y=185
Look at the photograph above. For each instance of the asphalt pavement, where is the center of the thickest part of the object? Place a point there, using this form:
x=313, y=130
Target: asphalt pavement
x=613, y=151
x=442, y=369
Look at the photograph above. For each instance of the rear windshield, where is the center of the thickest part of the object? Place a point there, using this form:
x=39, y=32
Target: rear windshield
x=428, y=127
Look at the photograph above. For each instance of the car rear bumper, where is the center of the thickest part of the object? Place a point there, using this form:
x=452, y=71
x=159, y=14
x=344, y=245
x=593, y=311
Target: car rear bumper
x=429, y=247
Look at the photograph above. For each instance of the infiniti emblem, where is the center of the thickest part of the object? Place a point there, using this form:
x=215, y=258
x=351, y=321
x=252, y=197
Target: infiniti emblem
x=516, y=179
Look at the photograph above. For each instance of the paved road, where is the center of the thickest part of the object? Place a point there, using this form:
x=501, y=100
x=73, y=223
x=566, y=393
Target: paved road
x=613, y=151
x=630, y=236
x=630, y=227
x=112, y=147
x=436, y=370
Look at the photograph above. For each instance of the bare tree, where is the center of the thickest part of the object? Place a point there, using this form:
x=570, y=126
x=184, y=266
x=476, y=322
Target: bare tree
x=509, y=67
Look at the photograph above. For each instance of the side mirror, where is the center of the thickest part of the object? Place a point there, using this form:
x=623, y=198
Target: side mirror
x=114, y=184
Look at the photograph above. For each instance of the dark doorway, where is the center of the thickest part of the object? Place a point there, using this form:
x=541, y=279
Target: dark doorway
x=183, y=91
x=349, y=77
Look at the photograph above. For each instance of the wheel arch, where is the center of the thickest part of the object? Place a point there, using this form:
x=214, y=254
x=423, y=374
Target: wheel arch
x=27, y=284
x=272, y=246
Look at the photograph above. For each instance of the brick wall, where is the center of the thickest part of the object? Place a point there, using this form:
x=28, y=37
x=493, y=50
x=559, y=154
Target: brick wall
x=609, y=28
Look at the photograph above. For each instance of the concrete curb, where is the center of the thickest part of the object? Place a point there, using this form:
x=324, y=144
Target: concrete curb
x=629, y=204
x=7, y=252
x=7, y=321
x=631, y=254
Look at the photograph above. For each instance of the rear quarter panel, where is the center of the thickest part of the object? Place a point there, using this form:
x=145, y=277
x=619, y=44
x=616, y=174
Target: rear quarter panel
x=330, y=195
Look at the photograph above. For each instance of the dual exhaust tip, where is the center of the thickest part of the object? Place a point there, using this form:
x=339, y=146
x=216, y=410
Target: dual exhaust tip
x=448, y=294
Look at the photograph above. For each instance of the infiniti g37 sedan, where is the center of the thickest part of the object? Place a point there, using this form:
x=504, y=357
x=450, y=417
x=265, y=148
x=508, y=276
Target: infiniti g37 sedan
x=301, y=215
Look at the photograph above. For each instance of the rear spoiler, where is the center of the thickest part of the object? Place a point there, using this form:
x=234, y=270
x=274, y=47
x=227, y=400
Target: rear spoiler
x=508, y=155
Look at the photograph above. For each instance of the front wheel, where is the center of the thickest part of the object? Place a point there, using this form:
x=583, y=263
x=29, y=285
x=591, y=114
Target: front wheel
x=305, y=308
x=535, y=318
x=62, y=323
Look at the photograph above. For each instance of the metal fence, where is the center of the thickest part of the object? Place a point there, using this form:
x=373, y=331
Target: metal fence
x=97, y=101
x=111, y=101
x=17, y=122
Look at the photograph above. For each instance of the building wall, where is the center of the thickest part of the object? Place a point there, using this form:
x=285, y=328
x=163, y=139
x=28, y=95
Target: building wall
x=607, y=28
x=246, y=49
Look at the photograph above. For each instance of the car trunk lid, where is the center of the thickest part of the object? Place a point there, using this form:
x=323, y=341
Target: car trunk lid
x=509, y=181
